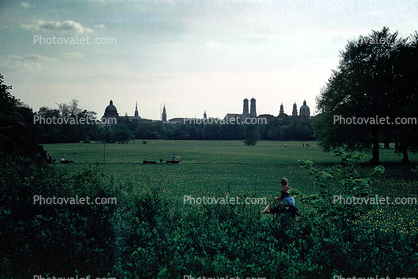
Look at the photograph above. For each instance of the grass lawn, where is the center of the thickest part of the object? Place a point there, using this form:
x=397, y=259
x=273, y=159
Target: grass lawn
x=214, y=168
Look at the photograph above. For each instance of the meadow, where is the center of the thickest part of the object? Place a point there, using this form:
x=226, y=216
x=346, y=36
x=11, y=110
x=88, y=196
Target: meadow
x=217, y=168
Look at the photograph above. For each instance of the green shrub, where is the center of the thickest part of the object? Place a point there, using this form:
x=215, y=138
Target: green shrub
x=53, y=239
x=147, y=235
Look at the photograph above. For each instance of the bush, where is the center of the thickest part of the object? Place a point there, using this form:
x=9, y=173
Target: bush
x=149, y=236
x=53, y=239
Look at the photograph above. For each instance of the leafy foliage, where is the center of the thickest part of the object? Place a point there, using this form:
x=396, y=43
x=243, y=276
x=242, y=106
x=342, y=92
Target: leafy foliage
x=54, y=239
x=18, y=136
x=341, y=182
x=149, y=236
x=376, y=77
x=251, y=135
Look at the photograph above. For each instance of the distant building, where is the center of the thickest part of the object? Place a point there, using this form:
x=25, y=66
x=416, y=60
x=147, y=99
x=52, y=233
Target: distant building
x=245, y=114
x=136, y=110
x=111, y=112
x=245, y=108
x=268, y=117
x=164, y=115
x=182, y=120
x=282, y=115
x=249, y=111
x=304, y=110
x=177, y=120
x=253, y=112
x=295, y=110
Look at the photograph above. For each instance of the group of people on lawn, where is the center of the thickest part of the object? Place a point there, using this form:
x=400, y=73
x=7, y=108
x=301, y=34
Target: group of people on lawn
x=173, y=158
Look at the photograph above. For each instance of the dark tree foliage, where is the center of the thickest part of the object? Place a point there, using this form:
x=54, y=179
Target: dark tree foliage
x=367, y=84
x=76, y=124
x=18, y=135
x=405, y=67
x=130, y=129
x=251, y=135
x=121, y=134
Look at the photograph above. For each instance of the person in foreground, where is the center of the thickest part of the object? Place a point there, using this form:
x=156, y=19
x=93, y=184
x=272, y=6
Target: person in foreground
x=286, y=199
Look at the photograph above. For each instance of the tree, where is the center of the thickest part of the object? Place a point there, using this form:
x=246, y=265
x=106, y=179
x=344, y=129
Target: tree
x=18, y=134
x=121, y=134
x=361, y=87
x=251, y=134
x=71, y=127
x=211, y=131
x=405, y=61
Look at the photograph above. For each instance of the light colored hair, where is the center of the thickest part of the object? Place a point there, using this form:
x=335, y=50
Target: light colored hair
x=284, y=181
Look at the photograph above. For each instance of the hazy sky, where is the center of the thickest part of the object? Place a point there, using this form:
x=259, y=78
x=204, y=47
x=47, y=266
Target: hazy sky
x=191, y=55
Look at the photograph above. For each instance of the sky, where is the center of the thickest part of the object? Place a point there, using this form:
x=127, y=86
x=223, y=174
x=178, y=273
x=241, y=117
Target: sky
x=190, y=55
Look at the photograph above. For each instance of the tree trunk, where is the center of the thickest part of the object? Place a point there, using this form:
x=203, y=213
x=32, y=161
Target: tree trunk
x=387, y=144
x=375, y=153
x=405, y=158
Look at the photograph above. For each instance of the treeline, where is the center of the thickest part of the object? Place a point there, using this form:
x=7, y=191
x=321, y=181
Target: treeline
x=72, y=131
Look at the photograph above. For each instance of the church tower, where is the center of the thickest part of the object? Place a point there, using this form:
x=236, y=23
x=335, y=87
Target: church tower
x=164, y=115
x=295, y=110
x=136, y=110
x=205, y=116
x=281, y=112
x=245, y=108
x=253, y=112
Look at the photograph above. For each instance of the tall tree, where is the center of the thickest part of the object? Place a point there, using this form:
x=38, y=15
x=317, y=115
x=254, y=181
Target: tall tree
x=361, y=87
x=251, y=134
x=18, y=134
x=405, y=61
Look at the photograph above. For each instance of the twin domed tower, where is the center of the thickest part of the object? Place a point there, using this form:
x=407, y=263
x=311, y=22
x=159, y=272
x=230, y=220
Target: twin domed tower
x=253, y=111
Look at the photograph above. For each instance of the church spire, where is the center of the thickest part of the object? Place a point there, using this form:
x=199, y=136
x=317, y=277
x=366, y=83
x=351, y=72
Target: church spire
x=164, y=115
x=136, y=109
x=295, y=110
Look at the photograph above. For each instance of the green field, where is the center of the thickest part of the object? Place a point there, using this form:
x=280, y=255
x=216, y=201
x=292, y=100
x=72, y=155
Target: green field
x=214, y=168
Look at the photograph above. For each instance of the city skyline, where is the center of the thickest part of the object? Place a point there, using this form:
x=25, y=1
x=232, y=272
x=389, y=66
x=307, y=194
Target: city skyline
x=165, y=115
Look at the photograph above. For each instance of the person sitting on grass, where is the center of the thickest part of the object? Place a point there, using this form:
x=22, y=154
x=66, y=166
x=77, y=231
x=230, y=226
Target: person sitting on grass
x=286, y=199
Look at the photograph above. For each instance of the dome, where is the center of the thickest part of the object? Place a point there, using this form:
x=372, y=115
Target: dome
x=111, y=110
x=304, y=110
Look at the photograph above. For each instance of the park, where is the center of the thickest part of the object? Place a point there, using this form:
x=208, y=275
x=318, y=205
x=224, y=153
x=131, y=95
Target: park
x=161, y=235
x=152, y=171
x=212, y=168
